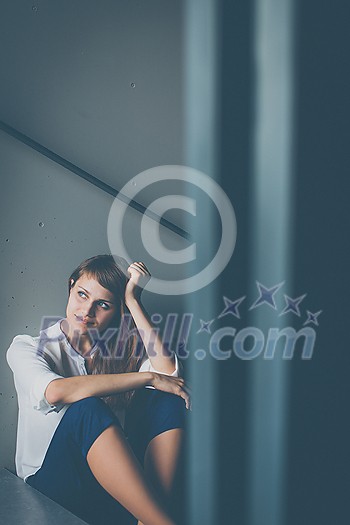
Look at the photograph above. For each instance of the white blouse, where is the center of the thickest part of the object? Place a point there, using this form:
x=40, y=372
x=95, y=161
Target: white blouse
x=35, y=362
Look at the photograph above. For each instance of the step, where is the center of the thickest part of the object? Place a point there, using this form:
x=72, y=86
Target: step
x=21, y=504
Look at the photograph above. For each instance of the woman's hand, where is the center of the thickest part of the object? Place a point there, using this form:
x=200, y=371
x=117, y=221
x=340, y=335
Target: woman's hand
x=173, y=385
x=139, y=277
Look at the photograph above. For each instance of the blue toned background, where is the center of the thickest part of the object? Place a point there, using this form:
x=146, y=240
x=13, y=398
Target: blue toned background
x=255, y=94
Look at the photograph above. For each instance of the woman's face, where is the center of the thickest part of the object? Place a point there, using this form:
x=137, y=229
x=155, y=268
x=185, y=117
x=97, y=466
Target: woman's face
x=90, y=306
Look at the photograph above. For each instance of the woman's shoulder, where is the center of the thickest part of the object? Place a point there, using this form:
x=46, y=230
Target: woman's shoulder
x=25, y=337
x=22, y=341
x=46, y=335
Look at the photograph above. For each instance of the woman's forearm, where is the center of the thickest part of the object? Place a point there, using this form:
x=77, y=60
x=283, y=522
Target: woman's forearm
x=161, y=358
x=71, y=389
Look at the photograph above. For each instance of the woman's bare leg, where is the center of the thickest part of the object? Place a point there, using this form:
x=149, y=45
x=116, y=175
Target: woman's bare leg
x=161, y=460
x=161, y=463
x=116, y=468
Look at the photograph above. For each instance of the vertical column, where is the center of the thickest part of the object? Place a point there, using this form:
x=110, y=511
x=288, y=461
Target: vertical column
x=201, y=139
x=271, y=233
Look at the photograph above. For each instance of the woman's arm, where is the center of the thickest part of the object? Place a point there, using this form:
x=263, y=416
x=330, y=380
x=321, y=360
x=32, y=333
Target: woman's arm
x=71, y=389
x=160, y=357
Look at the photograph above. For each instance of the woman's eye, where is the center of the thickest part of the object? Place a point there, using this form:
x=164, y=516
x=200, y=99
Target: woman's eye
x=104, y=305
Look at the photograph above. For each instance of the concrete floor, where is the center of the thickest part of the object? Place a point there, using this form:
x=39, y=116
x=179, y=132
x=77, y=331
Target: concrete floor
x=21, y=504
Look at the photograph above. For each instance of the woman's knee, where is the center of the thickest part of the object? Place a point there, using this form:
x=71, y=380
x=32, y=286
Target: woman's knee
x=85, y=420
x=88, y=409
x=166, y=409
x=167, y=401
x=151, y=413
x=88, y=403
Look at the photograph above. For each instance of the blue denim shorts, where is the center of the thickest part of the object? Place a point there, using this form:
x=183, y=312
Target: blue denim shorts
x=65, y=475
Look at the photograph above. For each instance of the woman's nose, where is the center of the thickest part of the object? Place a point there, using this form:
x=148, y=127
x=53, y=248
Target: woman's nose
x=88, y=311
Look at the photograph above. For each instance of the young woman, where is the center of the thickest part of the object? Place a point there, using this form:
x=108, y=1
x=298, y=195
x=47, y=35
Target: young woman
x=101, y=416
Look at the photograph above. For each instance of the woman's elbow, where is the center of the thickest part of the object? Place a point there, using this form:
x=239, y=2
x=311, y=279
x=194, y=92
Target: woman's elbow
x=52, y=392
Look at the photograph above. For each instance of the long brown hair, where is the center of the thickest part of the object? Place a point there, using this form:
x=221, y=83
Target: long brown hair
x=124, y=349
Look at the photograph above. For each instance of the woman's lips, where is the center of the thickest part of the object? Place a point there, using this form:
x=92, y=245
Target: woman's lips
x=81, y=320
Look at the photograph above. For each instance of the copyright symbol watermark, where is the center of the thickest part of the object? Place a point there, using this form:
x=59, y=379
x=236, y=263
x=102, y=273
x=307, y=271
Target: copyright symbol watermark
x=150, y=228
